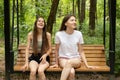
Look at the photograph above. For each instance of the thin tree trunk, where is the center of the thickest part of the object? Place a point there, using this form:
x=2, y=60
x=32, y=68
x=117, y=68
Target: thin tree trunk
x=82, y=15
x=92, y=17
x=78, y=4
x=73, y=7
x=22, y=12
x=52, y=15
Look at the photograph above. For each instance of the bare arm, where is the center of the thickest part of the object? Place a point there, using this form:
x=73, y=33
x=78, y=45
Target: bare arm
x=27, y=52
x=43, y=58
x=27, y=48
x=81, y=51
x=56, y=52
x=49, y=42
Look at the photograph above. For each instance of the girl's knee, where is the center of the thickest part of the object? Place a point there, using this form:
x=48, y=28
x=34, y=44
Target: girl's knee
x=40, y=71
x=72, y=72
x=33, y=72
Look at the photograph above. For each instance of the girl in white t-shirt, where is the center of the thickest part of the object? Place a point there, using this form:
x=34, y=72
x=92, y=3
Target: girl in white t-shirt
x=69, y=51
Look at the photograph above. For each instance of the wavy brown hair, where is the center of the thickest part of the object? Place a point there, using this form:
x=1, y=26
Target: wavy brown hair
x=45, y=45
x=65, y=19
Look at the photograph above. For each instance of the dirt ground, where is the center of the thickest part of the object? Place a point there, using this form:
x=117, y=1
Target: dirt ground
x=2, y=64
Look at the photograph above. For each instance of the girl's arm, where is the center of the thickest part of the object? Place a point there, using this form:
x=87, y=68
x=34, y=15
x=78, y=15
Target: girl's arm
x=81, y=51
x=27, y=52
x=56, y=52
x=27, y=48
x=43, y=58
x=49, y=42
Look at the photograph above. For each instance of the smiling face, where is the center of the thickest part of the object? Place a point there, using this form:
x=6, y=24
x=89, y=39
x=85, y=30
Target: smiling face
x=71, y=22
x=40, y=23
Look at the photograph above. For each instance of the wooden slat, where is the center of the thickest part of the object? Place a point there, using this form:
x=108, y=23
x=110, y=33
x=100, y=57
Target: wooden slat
x=96, y=63
x=95, y=55
x=88, y=59
x=94, y=51
x=81, y=69
x=21, y=60
x=23, y=51
x=87, y=55
x=101, y=47
x=96, y=59
x=20, y=63
x=21, y=55
x=93, y=47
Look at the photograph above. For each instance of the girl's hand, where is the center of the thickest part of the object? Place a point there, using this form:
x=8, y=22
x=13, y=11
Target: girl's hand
x=43, y=58
x=24, y=68
x=91, y=67
x=54, y=66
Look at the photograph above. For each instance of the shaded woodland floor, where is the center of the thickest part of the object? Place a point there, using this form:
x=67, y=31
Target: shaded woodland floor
x=2, y=62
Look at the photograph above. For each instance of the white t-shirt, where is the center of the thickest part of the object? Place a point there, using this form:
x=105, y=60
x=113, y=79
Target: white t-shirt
x=69, y=43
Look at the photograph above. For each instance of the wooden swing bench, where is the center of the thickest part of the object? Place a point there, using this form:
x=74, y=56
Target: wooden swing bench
x=95, y=55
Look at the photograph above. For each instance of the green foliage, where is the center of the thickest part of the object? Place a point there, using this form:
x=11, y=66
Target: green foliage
x=43, y=7
x=1, y=19
x=117, y=58
x=118, y=9
x=100, y=5
x=65, y=7
x=98, y=38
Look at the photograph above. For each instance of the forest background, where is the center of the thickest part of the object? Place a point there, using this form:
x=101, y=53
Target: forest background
x=89, y=14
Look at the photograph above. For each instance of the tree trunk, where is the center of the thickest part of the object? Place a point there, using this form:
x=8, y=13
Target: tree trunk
x=78, y=4
x=73, y=7
x=52, y=15
x=82, y=15
x=92, y=17
x=22, y=12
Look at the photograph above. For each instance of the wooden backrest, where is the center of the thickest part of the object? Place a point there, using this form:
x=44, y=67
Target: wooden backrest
x=94, y=53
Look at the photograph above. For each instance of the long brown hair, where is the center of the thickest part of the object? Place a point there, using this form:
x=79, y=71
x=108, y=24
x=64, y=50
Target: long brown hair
x=45, y=45
x=65, y=19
